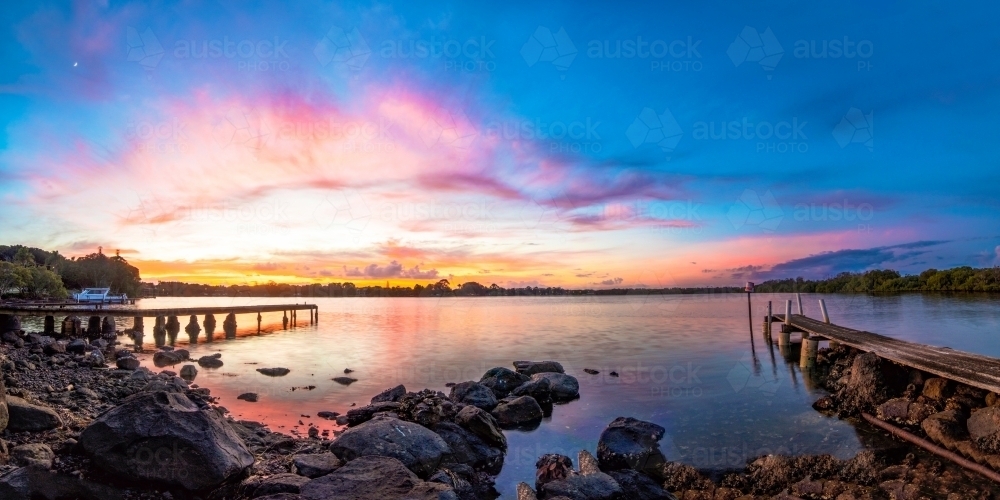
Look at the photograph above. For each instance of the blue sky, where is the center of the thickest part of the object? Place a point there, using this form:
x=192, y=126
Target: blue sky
x=523, y=147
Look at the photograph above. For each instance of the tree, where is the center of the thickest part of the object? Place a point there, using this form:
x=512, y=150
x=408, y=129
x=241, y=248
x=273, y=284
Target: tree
x=12, y=277
x=42, y=283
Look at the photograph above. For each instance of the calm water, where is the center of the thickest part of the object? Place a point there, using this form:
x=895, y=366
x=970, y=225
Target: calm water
x=686, y=363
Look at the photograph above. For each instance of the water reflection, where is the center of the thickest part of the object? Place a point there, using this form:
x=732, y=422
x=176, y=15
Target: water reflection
x=684, y=362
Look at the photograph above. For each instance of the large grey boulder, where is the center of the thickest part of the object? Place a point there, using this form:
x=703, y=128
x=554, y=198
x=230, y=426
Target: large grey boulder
x=357, y=416
x=470, y=449
x=530, y=368
x=164, y=437
x=517, y=412
x=502, y=381
x=373, y=478
x=32, y=483
x=27, y=417
x=418, y=448
x=475, y=394
x=873, y=380
x=628, y=443
x=483, y=425
x=562, y=387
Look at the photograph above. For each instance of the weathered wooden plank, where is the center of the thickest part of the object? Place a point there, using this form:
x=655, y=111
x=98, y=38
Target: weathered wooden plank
x=972, y=369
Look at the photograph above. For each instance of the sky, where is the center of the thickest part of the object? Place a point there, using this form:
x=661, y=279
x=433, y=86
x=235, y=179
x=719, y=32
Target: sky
x=573, y=144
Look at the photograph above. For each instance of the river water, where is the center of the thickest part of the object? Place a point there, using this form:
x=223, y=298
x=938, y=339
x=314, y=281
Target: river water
x=687, y=362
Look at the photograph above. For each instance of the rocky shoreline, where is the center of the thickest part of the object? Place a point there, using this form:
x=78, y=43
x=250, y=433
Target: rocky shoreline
x=82, y=419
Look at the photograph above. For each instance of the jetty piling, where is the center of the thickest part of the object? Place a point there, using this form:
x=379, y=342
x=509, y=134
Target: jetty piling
x=798, y=298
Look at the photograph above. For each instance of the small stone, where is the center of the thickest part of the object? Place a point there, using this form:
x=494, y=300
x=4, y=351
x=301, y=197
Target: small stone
x=313, y=465
x=189, y=372
x=210, y=362
x=32, y=454
x=343, y=380
x=274, y=372
x=250, y=397
x=329, y=415
x=591, y=371
x=128, y=363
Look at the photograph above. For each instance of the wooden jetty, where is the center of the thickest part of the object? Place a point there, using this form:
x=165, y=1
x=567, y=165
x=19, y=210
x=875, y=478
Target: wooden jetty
x=968, y=368
x=166, y=317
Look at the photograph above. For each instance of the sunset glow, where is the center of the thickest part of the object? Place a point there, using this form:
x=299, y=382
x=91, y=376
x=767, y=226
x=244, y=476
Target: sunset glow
x=227, y=149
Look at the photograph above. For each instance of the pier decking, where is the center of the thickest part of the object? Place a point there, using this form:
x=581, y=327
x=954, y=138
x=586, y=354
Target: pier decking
x=972, y=369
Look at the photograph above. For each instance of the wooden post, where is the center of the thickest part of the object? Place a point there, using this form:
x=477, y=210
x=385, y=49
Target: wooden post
x=284, y=320
x=807, y=358
x=788, y=312
x=258, y=323
x=822, y=308
x=798, y=298
x=769, y=318
x=50, y=325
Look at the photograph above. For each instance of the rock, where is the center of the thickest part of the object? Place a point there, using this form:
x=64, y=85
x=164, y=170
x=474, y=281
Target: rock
x=210, y=362
x=599, y=486
x=13, y=338
x=280, y=483
x=27, y=417
x=358, y=416
x=274, y=372
x=524, y=492
x=475, y=394
x=904, y=411
x=539, y=389
x=53, y=348
x=32, y=454
x=530, y=368
x=9, y=323
x=168, y=358
x=329, y=415
x=628, y=443
x=313, y=465
x=984, y=428
x=390, y=395
x=101, y=344
x=591, y=371
x=638, y=486
x=417, y=447
x=588, y=463
x=938, y=389
x=76, y=346
x=189, y=372
x=127, y=363
x=250, y=397
x=165, y=437
x=552, y=467
x=562, y=387
x=872, y=381
x=470, y=449
x=367, y=478
x=520, y=411
x=343, y=380
x=4, y=413
x=992, y=399
x=502, y=381
x=945, y=428
x=32, y=483
x=483, y=425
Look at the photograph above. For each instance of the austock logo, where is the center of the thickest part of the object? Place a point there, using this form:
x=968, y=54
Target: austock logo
x=753, y=210
x=762, y=48
x=348, y=48
x=545, y=46
x=651, y=127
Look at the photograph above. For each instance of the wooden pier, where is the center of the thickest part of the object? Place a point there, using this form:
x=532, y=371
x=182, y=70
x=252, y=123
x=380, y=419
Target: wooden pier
x=968, y=368
x=166, y=318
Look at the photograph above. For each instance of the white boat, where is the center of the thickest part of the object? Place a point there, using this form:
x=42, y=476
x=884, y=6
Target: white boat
x=101, y=295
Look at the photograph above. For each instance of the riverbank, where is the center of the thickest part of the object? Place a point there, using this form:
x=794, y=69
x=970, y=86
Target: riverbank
x=454, y=443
